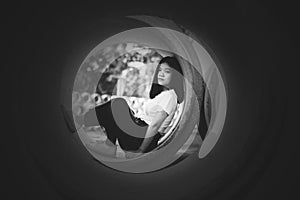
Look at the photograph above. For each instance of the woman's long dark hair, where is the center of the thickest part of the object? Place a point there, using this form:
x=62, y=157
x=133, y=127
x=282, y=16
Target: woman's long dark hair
x=176, y=79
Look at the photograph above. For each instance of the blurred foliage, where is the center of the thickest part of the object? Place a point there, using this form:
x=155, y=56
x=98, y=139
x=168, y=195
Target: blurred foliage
x=122, y=70
x=132, y=80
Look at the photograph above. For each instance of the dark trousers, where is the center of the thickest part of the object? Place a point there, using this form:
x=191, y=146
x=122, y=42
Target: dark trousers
x=119, y=123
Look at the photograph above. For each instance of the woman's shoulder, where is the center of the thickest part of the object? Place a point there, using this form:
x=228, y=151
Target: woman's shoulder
x=168, y=94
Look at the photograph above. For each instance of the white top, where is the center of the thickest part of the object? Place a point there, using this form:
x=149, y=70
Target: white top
x=165, y=101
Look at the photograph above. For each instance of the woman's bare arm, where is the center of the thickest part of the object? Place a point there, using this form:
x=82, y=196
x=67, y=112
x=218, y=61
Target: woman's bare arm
x=153, y=129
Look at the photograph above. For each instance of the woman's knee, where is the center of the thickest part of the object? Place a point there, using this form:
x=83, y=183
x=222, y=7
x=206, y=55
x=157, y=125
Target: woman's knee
x=119, y=105
x=119, y=101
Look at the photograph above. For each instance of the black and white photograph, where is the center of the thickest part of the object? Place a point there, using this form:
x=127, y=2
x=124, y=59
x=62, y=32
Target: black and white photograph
x=145, y=100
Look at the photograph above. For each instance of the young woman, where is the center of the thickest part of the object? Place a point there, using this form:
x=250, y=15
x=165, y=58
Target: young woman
x=140, y=132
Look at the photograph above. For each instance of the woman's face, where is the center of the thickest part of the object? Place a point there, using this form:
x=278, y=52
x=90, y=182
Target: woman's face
x=164, y=74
